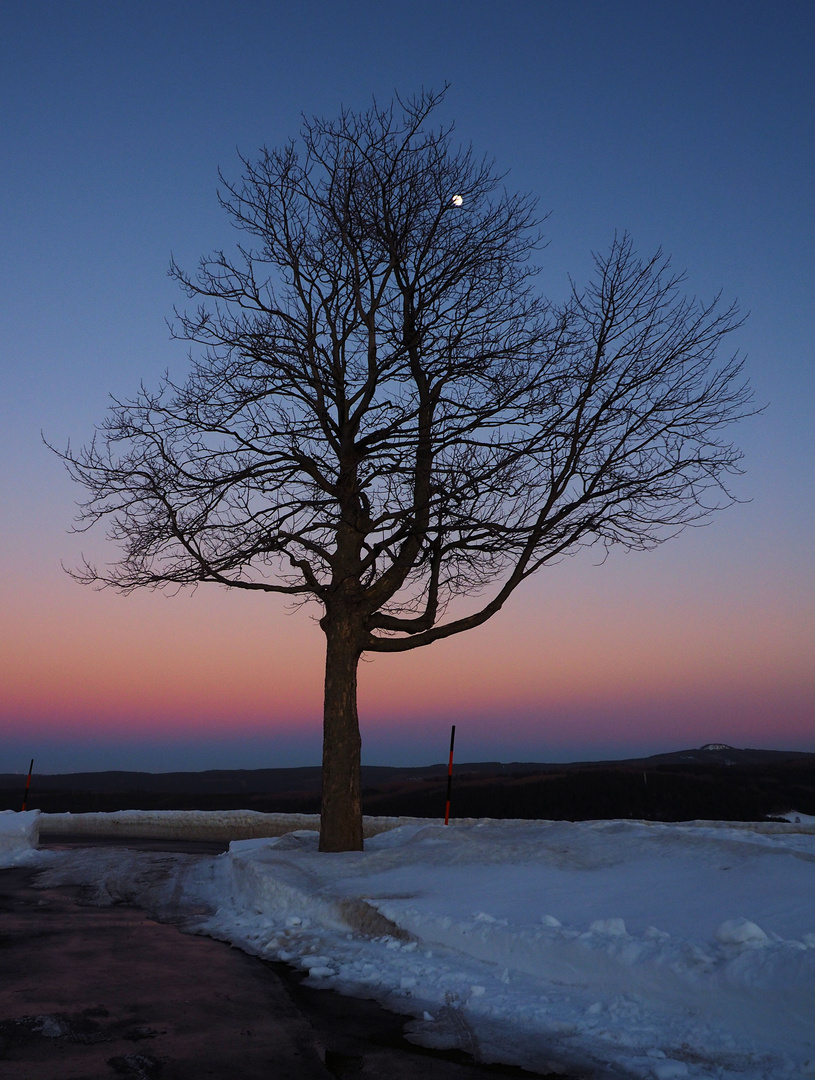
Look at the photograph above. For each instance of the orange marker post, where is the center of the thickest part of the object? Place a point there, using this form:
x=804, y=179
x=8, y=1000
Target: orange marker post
x=450, y=776
x=28, y=782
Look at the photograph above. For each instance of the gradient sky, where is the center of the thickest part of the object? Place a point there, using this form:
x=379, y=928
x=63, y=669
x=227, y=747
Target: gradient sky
x=690, y=125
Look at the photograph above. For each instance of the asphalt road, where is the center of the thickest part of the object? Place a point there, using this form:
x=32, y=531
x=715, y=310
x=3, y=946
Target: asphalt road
x=94, y=993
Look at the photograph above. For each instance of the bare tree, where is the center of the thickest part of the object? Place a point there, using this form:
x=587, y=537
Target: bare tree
x=384, y=415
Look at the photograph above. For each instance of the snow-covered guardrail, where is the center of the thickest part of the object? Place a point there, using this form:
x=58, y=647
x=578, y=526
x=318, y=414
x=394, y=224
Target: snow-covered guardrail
x=225, y=825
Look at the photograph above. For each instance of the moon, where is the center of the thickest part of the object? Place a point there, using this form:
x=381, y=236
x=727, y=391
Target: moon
x=458, y=200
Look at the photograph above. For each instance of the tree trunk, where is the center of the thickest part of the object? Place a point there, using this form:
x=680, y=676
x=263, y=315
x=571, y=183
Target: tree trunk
x=341, y=809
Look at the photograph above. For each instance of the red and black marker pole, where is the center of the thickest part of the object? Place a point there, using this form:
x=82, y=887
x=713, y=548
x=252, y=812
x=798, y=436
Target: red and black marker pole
x=450, y=776
x=28, y=782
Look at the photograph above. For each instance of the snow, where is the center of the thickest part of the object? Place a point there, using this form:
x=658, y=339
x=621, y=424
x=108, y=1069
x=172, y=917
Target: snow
x=606, y=948
x=19, y=835
x=193, y=824
x=797, y=819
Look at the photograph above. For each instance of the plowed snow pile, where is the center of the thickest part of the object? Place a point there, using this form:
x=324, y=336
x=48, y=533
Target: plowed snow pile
x=19, y=834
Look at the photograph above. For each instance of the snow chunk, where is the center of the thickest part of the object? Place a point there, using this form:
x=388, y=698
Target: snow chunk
x=608, y=927
x=740, y=932
x=19, y=836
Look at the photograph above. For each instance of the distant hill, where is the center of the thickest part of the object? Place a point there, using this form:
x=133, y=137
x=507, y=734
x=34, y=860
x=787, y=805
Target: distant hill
x=253, y=781
x=307, y=778
x=722, y=754
x=713, y=781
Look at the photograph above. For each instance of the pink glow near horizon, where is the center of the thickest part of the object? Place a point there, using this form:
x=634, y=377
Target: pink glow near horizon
x=573, y=665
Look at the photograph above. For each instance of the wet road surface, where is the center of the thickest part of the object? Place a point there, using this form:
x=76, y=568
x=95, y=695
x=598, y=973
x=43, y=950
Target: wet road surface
x=90, y=993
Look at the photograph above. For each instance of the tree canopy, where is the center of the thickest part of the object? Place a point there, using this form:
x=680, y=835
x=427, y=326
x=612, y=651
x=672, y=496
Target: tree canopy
x=383, y=414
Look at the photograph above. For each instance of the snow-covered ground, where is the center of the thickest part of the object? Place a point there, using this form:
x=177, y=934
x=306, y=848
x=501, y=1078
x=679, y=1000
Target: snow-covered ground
x=605, y=949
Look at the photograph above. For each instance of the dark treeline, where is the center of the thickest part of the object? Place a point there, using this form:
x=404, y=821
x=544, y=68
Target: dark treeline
x=656, y=792
x=663, y=793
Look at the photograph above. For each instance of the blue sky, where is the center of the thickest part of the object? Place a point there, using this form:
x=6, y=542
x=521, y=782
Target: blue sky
x=689, y=125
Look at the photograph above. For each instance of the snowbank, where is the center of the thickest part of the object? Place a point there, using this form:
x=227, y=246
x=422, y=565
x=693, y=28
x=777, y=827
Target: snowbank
x=658, y=951
x=19, y=836
x=799, y=819
x=195, y=824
